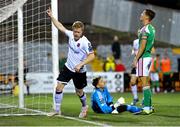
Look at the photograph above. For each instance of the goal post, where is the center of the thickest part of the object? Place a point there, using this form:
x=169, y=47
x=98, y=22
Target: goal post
x=28, y=48
x=54, y=7
x=20, y=58
x=9, y=7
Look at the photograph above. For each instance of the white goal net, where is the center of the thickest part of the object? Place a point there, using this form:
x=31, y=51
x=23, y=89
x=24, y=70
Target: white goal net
x=36, y=57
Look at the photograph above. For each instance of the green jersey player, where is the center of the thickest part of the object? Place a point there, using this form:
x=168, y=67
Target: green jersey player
x=142, y=60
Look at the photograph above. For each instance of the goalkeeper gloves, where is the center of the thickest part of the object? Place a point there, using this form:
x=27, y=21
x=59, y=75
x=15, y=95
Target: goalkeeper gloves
x=119, y=102
x=114, y=111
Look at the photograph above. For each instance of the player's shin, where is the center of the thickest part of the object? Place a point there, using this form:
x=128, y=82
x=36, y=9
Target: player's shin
x=83, y=99
x=84, y=108
x=147, y=96
x=157, y=86
x=58, y=100
x=133, y=109
x=122, y=108
x=134, y=91
x=153, y=84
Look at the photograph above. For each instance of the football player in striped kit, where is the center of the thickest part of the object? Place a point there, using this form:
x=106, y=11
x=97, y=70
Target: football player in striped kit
x=80, y=53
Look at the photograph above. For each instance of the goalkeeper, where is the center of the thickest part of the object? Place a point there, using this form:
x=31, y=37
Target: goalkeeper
x=102, y=101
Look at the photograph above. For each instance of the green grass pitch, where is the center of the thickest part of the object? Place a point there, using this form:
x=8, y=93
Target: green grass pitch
x=167, y=113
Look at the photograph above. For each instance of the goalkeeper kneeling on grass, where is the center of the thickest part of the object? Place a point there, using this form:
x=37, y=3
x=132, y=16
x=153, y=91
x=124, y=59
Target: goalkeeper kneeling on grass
x=102, y=101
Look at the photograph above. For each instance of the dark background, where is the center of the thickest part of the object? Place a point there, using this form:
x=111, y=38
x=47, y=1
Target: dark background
x=174, y=4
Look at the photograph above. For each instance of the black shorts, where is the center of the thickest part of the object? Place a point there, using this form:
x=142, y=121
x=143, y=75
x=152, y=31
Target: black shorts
x=133, y=71
x=79, y=79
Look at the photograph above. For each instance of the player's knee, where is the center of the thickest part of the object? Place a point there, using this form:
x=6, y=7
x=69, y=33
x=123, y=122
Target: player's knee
x=59, y=87
x=79, y=92
x=132, y=82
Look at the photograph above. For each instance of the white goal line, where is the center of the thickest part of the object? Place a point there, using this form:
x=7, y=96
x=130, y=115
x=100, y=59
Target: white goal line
x=37, y=112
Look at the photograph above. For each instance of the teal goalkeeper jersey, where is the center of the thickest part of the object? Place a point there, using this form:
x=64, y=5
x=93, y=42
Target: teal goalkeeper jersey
x=148, y=31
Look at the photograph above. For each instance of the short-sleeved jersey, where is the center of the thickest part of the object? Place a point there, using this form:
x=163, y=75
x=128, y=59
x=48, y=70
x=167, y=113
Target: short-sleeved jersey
x=100, y=100
x=136, y=46
x=149, y=32
x=78, y=51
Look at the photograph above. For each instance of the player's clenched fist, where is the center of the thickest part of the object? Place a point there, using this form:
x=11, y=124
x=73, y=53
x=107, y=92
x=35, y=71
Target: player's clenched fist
x=49, y=12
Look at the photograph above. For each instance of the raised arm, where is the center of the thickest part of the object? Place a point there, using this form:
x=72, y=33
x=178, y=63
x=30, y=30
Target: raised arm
x=55, y=21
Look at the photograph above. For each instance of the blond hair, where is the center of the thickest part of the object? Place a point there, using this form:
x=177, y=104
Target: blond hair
x=78, y=24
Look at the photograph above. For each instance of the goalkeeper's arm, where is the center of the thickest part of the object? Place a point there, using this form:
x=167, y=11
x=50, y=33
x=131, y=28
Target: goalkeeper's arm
x=102, y=105
x=56, y=22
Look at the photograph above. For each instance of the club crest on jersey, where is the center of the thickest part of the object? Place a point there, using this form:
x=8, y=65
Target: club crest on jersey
x=78, y=44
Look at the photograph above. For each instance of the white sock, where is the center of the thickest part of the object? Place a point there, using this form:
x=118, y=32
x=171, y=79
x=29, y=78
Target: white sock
x=58, y=100
x=134, y=91
x=158, y=89
x=147, y=108
x=153, y=90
